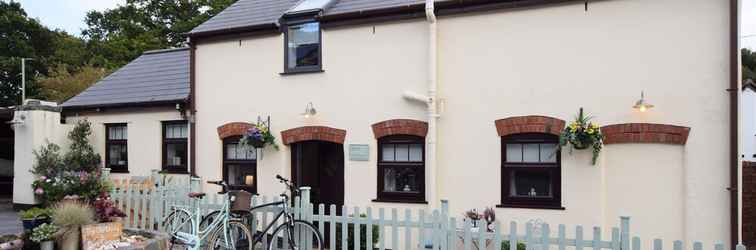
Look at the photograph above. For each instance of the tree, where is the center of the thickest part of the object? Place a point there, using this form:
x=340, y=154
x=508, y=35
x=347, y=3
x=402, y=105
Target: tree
x=62, y=83
x=117, y=36
x=748, y=59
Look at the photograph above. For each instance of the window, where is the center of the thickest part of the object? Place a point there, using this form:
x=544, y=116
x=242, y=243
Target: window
x=239, y=166
x=175, y=146
x=531, y=171
x=116, y=147
x=302, y=47
x=401, y=168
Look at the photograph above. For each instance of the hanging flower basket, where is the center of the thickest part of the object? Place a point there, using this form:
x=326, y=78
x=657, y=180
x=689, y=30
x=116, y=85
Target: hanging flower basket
x=583, y=134
x=258, y=136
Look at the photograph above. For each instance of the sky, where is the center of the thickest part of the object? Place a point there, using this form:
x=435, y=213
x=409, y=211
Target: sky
x=69, y=15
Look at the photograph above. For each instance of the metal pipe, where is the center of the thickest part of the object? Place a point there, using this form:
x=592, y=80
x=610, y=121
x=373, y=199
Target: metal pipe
x=430, y=167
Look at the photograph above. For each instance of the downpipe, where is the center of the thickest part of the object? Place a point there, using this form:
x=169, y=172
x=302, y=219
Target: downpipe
x=432, y=103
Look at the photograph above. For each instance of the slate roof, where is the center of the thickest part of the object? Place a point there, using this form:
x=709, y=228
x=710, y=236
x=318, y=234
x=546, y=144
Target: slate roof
x=160, y=76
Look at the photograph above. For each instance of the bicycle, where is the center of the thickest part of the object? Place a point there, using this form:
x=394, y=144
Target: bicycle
x=290, y=234
x=224, y=232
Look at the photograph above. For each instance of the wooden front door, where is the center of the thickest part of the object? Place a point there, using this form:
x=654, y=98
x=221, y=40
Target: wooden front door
x=319, y=165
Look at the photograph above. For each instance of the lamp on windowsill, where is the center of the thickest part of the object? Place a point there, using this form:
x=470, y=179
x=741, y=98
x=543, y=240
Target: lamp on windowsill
x=309, y=111
x=249, y=180
x=642, y=105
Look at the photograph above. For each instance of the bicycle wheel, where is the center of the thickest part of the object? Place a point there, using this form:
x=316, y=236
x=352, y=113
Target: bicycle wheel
x=237, y=237
x=298, y=236
x=178, y=221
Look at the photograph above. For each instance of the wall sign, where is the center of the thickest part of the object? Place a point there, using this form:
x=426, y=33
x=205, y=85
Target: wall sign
x=96, y=234
x=359, y=152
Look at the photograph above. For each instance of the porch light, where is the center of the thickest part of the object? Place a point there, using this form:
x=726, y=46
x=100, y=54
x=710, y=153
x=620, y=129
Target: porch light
x=642, y=105
x=309, y=110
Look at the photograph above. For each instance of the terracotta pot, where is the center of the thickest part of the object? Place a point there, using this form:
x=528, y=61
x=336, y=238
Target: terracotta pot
x=46, y=245
x=71, y=239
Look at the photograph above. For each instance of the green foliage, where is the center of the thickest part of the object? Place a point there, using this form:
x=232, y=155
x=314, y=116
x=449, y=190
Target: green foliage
x=73, y=214
x=48, y=160
x=34, y=213
x=76, y=173
x=64, y=83
x=582, y=134
x=363, y=236
x=81, y=155
x=44, y=232
x=520, y=245
x=748, y=59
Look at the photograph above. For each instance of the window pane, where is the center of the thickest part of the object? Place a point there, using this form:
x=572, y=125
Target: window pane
x=416, y=152
x=400, y=180
x=548, y=153
x=241, y=175
x=235, y=152
x=303, y=45
x=388, y=152
x=530, y=184
x=514, y=152
x=175, y=154
x=118, y=155
x=175, y=131
x=530, y=153
x=117, y=133
x=402, y=152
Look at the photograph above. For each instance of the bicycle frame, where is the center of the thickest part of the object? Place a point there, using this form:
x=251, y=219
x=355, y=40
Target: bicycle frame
x=284, y=212
x=197, y=235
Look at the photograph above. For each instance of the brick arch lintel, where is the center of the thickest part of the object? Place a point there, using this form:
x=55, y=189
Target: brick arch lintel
x=529, y=124
x=233, y=129
x=645, y=133
x=313, y=133
x=400, y=127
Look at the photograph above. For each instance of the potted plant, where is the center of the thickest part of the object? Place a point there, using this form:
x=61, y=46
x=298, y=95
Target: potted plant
x=582, y=134
x=474, y=217
x=258, y=136
x=70, y=216
x=33, y=217
x=44, y=234
x=106, y=210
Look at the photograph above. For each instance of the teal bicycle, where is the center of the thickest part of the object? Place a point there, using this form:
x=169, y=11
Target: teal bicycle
x=224, y=232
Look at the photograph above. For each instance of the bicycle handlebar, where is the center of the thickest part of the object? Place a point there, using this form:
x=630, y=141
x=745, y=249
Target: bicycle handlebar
x=288, y=184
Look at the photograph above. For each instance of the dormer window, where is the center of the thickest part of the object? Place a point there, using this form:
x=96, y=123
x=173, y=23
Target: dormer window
x=302, y=47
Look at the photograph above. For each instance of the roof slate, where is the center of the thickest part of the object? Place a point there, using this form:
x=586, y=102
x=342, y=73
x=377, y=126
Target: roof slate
x=154, y=77
x=245, y=13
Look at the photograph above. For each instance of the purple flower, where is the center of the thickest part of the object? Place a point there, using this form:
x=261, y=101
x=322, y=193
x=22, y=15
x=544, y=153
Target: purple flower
x=43, y=177
x=39, y=191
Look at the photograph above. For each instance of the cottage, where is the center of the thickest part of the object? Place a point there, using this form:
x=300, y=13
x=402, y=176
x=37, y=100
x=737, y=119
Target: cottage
x=407, y=103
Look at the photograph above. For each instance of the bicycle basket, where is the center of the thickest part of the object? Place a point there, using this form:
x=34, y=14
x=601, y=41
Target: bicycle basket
x=240, y=200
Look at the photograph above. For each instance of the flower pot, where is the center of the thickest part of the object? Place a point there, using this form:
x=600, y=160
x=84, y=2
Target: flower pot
x=46, y=245
x=71, y=239
x=30, y=224
x=256, y=143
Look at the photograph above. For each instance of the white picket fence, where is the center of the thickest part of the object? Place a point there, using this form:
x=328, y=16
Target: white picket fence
x=147, y=200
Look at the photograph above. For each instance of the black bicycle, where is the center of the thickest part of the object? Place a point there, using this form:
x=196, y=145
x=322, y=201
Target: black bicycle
x=291, y=234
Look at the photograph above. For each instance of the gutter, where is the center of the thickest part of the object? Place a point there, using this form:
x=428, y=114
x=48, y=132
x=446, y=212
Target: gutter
x=734, y=189
x=431, y=166
x=192, y=107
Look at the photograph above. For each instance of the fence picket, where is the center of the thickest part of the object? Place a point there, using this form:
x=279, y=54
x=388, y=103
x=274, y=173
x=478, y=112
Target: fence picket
x=545, y=236
x=637, y=243
x=468, y=237
x=512, y=236
x=421, y=229
x=407, y=229
x=356, y=227
x=394, y=230
x=615, y=239
x=482, y=229
x=369, y=229
x=579, y=238
x=677, y=245
x=596, y=238
x=344, y=227
x=332, y=225
x=658, y=244
x=381, y=229
x=697, y=245
x=497, y=236
x=563, y=237
x=529, y=244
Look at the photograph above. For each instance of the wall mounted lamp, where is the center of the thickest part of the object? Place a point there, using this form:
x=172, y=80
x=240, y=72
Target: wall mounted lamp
x=309, y=111
x=642, y=105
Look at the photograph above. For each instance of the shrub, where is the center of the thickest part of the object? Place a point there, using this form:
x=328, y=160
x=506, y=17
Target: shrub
x=350, y=236
x=520, y=245
x=73, y=214
x=44, y=232
x=35, y=212
x=105, y=209
x=81, y=155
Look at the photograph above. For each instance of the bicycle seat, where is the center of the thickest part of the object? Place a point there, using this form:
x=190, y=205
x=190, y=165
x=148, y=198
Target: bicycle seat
x=196, y=195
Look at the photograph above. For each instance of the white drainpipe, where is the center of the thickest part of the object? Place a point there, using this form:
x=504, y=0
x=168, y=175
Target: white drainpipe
x=431, y=167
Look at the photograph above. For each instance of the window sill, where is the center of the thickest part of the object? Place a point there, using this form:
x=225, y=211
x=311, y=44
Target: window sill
x=534, y=206
x=169, y=171
x=297, y=72
x=400, y=201
x=119, y=171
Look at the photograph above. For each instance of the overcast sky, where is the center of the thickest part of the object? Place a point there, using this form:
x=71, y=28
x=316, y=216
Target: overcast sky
x=69, y=15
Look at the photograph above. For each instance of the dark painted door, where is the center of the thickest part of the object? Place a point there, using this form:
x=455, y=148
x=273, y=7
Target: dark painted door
x=320, y=165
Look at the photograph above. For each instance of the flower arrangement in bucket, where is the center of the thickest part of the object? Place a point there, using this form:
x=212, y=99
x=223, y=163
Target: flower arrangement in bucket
x=44, y=235
x=582, y=134
x=258, y=136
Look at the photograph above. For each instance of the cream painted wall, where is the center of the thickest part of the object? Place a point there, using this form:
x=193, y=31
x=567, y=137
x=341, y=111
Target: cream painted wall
x=543, y=61
x=144, y=135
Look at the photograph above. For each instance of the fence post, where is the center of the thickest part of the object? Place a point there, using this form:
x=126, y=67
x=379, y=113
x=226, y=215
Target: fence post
x=105, y=173
x=444, y=226
x=305, y=194
x=194, y=184
x=625, y=232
